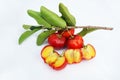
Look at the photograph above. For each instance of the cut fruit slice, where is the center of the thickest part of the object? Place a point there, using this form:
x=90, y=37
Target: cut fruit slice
x=77, y=56
x=88, y=52
x=60, y=63
x=73, y=56
x=69, y=55
x=47, y=51
x=52, y=58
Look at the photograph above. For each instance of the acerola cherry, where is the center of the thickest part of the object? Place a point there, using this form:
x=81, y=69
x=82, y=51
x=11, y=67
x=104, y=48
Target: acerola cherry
x=75, y=42
x=56, y=40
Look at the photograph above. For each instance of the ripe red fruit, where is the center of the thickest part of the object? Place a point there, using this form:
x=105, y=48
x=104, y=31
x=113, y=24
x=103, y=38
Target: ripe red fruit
x=75, y=42
x=56, y=40
x=67, y=33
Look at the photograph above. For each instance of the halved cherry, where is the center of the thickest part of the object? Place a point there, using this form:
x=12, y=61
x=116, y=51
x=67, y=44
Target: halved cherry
x=77, y=57
x=60, y=63
x=52, y=58
x=69, y=55
x=88, y=52
x=73, y=56
x=47, y=51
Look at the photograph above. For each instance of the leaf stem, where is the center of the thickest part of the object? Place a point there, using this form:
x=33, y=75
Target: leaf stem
x=96, y=27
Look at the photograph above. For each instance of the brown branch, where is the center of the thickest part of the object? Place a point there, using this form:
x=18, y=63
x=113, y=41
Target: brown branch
x=97, y=27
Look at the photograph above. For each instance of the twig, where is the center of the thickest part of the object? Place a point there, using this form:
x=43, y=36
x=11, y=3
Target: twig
x=97, y=27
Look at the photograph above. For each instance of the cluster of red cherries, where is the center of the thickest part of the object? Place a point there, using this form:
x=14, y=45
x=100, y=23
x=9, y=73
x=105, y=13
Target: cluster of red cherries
x=75, y=50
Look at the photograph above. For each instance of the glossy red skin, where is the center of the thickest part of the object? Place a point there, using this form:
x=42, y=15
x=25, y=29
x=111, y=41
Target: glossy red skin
x=56, y=41
x=75, y=43
x=60, y=67
x=67, y=34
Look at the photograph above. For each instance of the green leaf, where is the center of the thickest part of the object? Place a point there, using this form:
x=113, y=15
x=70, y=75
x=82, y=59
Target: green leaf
x=26, y=27
x=31, y=27
x=35, y=27
x=86, y=31
x=26, y=34
x=43, y=36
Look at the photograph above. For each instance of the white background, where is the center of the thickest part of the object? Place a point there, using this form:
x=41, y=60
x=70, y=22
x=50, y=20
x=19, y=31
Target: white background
x=23, y=62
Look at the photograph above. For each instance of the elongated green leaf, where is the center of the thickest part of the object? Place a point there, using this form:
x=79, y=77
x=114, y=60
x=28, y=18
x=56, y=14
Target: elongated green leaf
x=26, y=27
x=26, y=34
x=43, y=36
x=37, y=16
x=35, y=27
x=31, y=27
x=86, y=31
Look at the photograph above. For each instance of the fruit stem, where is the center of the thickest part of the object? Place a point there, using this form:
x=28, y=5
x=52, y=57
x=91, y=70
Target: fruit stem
x=59, y=36
x=63, y=31
x=69, y=32
x=62, y=53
